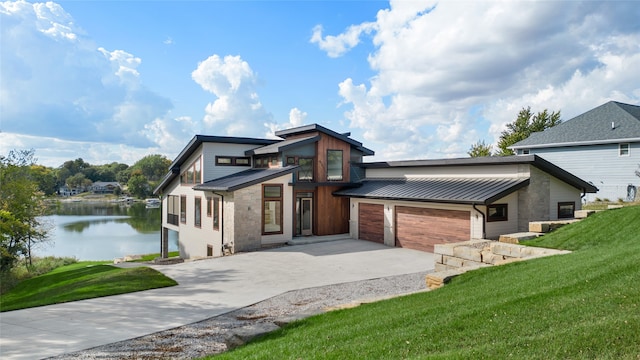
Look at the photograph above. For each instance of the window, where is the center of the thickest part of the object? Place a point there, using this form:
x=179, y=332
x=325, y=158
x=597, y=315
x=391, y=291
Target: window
x=497, y=212
x=334, y=165
x=197, y=214
x=173, y=209
x=208, y=207
x=209, y=250
x=291, y=160
x=266, y=161
x=525, y=151
x=193, y=174
x=233, y=161
x=271, y=209
x=216, y=213
x=566, y=210
x=623, y=150
x=183, y=209
x=305, y=172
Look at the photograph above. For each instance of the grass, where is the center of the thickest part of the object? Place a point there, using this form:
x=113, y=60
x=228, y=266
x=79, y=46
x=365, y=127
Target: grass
x=82, y=280
x=584, y=305
x=151, y=257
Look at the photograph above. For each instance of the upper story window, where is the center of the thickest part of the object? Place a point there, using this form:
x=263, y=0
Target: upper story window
x=334, y=165
x=623, y=150
x=497, y=212
x=266, y=161
x=193, y=174
x=305, y=169
x=173, y=209
x=233, y=161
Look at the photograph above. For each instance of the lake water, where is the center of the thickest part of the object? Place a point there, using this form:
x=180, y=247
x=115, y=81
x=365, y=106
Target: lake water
x=103, y=231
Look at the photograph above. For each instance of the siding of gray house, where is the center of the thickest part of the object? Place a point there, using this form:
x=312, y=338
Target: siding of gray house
x=599, y=164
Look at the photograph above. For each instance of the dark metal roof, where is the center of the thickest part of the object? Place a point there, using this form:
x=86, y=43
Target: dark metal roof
x=196, y=141
x=440, y=190
x=244, y=179
x=534, y=160
x=319, y=128
x=283, y=145
x=607, y=123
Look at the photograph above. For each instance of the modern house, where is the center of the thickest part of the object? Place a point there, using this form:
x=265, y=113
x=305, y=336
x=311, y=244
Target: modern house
x=417, y=204
x=601, y=146
x=228, y=194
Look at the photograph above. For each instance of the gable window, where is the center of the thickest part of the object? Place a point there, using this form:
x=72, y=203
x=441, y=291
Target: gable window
x=271, y=209
x=566, y=210
x=334, y=165
x=623, y=150
x=193, y=174
x=266, y=161
x=183, y=209
x=497, y=212
x=216, y=213
x=173, y=209
x=197, y=215
x=233, y=161
x=305, y=172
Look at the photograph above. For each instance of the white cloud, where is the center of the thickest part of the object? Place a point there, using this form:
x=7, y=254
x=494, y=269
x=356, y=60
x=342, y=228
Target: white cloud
x=458, y=70
x=237, y=108
x=57, y=83
x=297, y=118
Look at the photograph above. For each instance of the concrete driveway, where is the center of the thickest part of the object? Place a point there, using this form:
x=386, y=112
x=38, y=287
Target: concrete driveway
x=206, y=288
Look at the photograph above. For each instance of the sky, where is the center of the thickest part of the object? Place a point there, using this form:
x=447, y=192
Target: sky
x=117, y=80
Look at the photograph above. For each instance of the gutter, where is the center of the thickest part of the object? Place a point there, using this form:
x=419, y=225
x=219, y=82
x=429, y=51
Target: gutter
x=484, y=232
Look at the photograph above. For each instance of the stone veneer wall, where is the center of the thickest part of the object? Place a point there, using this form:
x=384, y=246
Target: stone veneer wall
x=534, y=199
x=247, y=214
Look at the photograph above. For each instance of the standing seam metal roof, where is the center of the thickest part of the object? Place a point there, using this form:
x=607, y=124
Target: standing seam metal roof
x=244, y=179
x=444, y=190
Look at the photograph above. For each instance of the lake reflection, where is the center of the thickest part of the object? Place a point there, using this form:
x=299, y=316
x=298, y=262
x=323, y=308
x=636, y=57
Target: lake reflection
x=103, y=231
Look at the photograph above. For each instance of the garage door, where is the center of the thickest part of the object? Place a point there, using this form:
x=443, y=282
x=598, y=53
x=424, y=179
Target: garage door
x=420, y=229
x=371, y=222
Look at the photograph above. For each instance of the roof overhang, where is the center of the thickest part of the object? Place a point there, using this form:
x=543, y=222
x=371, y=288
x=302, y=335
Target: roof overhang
x=575, y=143
x=244, y=179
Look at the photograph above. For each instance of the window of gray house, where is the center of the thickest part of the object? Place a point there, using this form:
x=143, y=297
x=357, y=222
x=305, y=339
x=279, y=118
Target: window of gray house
x=566, y=210
x=497, y=212
x=334, y=165
x=197, y=216
x=623, y=150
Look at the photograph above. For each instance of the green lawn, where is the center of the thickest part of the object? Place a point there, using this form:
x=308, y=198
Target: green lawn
x=83, y=280
x=584, y=305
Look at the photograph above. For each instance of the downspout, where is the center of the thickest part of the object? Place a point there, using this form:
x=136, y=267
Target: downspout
x=221, y=225
x=484, y=232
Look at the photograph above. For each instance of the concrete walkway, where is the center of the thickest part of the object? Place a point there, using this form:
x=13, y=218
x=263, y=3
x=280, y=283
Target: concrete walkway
x=207, y=288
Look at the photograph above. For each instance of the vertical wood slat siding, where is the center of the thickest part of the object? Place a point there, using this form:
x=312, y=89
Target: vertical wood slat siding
x=371, y=222
x=330, y=143
x=421, y=228
x=332, y=212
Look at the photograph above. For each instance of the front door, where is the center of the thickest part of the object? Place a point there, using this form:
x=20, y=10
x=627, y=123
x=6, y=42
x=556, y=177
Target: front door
x=306, y=216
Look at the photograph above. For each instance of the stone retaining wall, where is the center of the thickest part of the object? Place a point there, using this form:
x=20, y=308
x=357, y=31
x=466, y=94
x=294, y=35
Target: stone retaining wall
x=456, y=258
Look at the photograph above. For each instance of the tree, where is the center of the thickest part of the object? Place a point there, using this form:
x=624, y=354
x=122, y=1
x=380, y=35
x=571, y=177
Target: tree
x=525, y=124
x=138, y=184
x=45, y=178
x=479, y=149
x=77, y=181
x=153, y=167
x=20, y=209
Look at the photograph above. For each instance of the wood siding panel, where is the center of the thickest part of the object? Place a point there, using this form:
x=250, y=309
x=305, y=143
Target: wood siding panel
x=371, y=222
x=330, y=143
x=332, y=212
x=422, y=228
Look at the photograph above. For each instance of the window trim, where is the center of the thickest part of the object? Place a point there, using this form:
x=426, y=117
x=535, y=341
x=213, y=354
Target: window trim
x=275, y=199
x=566, y=203
x=627, y=151
x=341, y=165
x=233, y=160
x=499, y=218
x=197, y=211
x=193, y=173
x=183, y=209
x=216, y=213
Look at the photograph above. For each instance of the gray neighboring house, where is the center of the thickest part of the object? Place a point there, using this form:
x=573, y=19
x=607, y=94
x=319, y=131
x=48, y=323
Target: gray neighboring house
x=601, y=146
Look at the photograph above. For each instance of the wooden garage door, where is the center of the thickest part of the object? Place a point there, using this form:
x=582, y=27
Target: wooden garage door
x=420, y=229
x=371, y=222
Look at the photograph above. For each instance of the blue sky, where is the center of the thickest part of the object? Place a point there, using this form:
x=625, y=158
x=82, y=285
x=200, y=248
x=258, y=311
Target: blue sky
x=117, y=80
